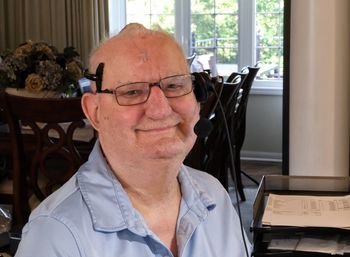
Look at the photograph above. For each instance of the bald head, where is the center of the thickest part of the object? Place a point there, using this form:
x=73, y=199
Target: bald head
x=160, y=128
x=136, y=48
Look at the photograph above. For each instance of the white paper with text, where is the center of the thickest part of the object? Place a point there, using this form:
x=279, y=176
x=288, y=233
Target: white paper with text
x=307, y=211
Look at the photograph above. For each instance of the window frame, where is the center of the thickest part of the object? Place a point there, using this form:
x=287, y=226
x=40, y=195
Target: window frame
x=246, y=37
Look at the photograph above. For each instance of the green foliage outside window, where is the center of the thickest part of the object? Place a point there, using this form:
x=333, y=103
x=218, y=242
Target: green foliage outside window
x=269, y=34
x=214, y=27
x=215, y=30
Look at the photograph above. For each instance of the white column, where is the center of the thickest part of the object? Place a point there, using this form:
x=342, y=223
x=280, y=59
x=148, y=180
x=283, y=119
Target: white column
x=319, y=88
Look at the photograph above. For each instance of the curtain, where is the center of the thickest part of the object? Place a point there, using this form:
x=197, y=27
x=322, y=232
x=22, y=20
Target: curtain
x=78, y=23
x=87, y=24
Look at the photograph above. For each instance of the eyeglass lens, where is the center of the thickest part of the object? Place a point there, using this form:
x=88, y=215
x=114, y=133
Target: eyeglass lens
x=138, y=92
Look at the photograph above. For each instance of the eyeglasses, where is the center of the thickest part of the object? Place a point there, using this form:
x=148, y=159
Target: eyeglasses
x=138, y=92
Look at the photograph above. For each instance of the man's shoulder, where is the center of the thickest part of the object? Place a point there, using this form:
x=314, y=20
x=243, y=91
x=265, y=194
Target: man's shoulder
x=202, y=176
x=205, y=181
x=67, y=197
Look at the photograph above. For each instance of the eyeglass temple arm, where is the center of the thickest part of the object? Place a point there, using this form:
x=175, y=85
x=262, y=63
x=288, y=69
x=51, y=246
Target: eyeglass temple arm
x=96, y=77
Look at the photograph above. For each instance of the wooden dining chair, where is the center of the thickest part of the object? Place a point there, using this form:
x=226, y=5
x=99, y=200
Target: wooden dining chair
x=190, y=59
x=218, y=145
x=54, y=123
x=198, y=155
x=238, y=123
x=209, y=153
x=6, y=171
x=5, y=153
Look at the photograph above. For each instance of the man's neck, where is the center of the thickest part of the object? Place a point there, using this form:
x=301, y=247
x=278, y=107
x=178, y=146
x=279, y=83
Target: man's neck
x=154, y=190
x=156, y=194
x=150, y=182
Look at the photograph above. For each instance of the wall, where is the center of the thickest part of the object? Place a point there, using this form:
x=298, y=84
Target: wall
x=319, y=95
x=263, y=139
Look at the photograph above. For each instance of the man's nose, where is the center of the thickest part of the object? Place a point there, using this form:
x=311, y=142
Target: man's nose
x=157, y=105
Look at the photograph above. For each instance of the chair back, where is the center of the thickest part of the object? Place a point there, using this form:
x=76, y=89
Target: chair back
x=243, y=73
x=190, y=59
x=5, y=152
x=208, y=154
x=196, y=157
x=53, y=123
x=217, y=142
x=238, y=125
x=241, y=108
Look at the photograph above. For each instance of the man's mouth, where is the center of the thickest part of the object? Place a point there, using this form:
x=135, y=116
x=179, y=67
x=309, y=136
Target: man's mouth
x=157, y=128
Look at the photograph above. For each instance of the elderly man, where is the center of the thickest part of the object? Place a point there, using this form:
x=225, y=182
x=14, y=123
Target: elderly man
x=134, y=197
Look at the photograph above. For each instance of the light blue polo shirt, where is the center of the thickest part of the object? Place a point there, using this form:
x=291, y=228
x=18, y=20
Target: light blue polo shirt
x=92, y=216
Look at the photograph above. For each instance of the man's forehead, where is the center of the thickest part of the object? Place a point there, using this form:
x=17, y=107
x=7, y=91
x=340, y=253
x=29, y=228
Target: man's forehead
x=122, y=47
x=137, y=49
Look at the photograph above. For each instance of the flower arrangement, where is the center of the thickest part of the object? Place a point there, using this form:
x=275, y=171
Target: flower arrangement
x=39, y=67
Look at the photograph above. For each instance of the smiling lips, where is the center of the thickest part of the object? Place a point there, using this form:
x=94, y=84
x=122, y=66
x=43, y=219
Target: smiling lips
x=158, y=129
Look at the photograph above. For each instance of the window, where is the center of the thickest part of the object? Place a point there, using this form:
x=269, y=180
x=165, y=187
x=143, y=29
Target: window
x=214, y=32
x=269, y=38
x=152, y=13
x=235, y=33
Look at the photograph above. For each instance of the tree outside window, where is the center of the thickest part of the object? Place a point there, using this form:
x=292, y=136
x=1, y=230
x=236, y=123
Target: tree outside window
x=215, y=30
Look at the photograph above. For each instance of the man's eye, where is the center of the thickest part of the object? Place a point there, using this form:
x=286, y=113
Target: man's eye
x=131, y=92
x=173, y=86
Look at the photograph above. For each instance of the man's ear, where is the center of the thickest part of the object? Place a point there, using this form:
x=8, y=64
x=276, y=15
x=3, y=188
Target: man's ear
x=89, y=103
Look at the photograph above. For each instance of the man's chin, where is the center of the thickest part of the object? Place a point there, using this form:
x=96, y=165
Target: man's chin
x=162, y=150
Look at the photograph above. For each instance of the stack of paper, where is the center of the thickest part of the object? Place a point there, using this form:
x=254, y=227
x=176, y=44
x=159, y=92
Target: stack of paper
x=309, y=211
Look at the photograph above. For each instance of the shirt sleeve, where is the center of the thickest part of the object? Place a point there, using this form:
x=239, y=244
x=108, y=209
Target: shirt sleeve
x=45, y=236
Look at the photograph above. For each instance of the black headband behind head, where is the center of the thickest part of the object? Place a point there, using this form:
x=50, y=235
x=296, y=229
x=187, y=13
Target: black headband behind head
x=203, y=84
x=96, y=77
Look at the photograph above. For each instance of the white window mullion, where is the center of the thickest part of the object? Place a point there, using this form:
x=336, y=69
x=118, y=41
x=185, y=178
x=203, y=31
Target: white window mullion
x=246, y=25
x=183, y=24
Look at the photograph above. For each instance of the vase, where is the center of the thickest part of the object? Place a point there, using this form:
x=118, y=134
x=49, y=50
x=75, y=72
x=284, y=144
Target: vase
x=26, y=93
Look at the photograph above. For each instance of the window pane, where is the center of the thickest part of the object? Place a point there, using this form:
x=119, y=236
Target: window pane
x=152, y=14
x=162, y=7
x=138, y=7
x=143, y=19
x=269, y=6
x=214, y=30
x=203, y=55
x=226, y=6
x=269, y=38
x=202, y=7
x=203, y=30
x=227, y=38
x=226, y=56
x=203, y=39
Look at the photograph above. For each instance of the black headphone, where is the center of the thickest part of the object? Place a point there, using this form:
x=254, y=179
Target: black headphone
x=96, y=77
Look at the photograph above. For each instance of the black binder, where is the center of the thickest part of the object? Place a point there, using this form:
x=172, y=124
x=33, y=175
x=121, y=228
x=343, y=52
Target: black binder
x=293, y=185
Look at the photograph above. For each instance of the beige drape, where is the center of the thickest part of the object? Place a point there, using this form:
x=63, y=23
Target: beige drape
x=78, y=23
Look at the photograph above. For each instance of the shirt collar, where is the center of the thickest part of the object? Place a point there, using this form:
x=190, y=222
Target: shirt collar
x=109, y=205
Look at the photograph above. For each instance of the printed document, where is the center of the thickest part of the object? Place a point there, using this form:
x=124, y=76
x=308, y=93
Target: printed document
x=307, y=211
